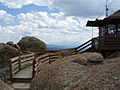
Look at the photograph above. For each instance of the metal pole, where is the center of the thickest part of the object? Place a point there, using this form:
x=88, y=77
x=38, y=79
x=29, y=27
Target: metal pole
x=107, y=8
x=92, y=32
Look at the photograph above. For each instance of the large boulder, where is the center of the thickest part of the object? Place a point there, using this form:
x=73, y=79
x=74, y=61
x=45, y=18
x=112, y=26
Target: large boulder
x=32, y=44
x=77, y=58
x=5, y=86
x=2, y=45
x=14, y=45
x=10, y=43
x=93, y=57
x=6, y=53
x=86, y=58
x=57, y=76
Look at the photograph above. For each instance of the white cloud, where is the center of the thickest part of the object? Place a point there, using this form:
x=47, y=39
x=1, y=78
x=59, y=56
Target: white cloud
x=20, y=3
x=4, y=16
x=53, y=28
x=51, y=21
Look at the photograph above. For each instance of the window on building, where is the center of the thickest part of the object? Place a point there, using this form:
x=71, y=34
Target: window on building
x=111, y=29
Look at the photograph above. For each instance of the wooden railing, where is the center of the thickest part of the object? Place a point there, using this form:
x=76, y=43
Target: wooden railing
x=20, y=62
x=90, y=45
x=46, y=58
x=68, y=52
x=38, y=58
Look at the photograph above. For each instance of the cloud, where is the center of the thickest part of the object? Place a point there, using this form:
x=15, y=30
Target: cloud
x=19, y=3
x=53, y=28
x=83, y=8
x=50, y=21
x=80, y=8
x=4, y=16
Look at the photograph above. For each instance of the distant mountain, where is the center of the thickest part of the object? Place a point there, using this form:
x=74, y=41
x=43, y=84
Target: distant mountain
x=61, y=46
x=55, y=47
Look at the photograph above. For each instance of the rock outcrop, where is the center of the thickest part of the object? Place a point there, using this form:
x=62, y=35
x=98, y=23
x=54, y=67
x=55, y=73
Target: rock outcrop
x=93, y=57
x=7, y=52
x=57, y=76
x=85, y=58
x=14, y=45
x=77, y=58
x=10, y=43
x=32, y=44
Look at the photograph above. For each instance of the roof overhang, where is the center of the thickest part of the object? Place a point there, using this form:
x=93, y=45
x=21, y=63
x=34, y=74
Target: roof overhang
x=96, y=23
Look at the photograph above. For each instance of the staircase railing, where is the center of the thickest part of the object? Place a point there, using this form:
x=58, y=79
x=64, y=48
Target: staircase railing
x=84, y=46
x=90, y=45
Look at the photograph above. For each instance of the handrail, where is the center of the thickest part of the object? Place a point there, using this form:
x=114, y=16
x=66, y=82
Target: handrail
x=68, y=52
x=90, y=44
x=84, y=45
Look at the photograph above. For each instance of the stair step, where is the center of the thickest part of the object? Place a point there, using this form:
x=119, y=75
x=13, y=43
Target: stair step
x=21, y=86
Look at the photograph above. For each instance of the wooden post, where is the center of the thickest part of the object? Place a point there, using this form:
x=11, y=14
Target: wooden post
x=10, y=65
x=34, y=62
x=75, y=50
x=19, y=62
x=49, y=57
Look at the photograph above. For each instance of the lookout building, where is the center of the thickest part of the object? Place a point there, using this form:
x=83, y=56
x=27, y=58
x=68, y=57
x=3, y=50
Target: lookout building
x=109, y=32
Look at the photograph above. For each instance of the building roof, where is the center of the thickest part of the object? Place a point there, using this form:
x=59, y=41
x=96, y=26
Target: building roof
x=96, y=23
x=113, y=18
x=115, y=14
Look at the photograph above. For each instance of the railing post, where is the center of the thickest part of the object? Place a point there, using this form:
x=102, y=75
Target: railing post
x=19, y=62
x=10, y=65
x=49, y=58
x=93, y=44
x=34, y=62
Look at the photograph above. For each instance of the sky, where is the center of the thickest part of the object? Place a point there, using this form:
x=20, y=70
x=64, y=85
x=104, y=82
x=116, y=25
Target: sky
x=58, y=22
